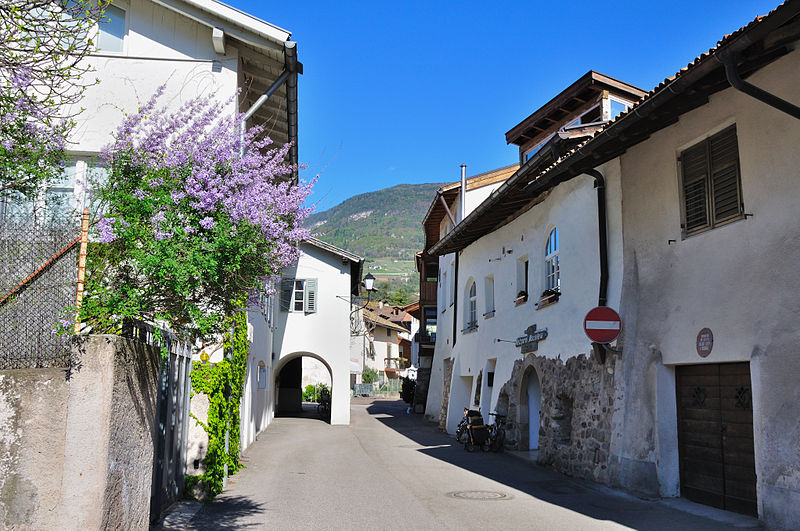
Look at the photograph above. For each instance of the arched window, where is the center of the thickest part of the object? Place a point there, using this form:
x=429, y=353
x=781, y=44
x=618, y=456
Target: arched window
x=471, y=314
x=552, y=279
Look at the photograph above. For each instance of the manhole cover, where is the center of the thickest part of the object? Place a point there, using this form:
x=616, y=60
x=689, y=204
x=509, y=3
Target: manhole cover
x=479, y=495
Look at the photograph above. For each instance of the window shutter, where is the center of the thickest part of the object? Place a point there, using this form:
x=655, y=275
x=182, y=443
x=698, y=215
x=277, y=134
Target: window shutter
x=694, y=163
x=311, y=295
x=725, y=175
x=287, y=286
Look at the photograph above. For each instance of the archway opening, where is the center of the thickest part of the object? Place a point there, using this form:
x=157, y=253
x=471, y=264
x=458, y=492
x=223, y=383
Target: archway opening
x=530, y=410
x=301, y=382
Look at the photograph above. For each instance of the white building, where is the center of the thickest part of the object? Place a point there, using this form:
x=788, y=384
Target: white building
x=697, y=397
x=193, y=48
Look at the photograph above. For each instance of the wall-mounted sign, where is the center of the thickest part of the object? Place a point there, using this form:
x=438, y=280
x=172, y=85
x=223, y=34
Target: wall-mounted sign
x=705, y=342
x=530, y=341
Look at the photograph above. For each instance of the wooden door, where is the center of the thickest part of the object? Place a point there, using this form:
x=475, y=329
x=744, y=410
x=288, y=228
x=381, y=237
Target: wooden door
x=715, y=436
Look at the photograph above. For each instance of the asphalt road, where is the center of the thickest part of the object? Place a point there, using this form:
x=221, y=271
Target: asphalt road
x=391, y=470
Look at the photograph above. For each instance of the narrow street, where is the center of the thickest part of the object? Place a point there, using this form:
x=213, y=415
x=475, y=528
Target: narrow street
x=391, y=470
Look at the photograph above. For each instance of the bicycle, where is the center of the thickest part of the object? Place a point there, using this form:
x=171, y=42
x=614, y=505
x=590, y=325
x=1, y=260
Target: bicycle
x=497, y=433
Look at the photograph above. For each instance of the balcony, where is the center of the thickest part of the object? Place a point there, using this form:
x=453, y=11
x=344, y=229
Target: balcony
x=427, y=292
x=425, y=339
x=395, y=364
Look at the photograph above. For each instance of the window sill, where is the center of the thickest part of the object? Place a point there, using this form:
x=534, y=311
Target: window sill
x=544, y=303
x=520, y=301
x=469, y=330
x=489, y=315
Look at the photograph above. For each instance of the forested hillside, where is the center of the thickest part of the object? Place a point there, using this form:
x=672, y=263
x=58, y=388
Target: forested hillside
x=382, y=224
x=385, y=227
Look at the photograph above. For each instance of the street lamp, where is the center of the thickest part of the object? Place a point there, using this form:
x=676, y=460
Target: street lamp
x=369, y=283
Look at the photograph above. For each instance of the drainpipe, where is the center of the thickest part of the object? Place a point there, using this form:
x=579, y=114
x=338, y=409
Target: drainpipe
x=729, y=59
x=290, y=67
x=463, y=193
x=600, y=184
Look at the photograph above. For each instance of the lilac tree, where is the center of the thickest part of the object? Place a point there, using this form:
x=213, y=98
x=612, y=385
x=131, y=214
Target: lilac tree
x=188, y=225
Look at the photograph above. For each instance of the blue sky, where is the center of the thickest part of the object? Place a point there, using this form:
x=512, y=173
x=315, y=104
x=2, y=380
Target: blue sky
x=404, y=92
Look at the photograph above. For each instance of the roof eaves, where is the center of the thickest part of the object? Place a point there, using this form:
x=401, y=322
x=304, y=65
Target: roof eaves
x=238, y=24
x=316, y=242
x=670, y=87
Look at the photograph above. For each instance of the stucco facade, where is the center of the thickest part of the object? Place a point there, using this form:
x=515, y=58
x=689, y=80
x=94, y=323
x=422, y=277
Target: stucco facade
x=325, y=333
x=738, y=280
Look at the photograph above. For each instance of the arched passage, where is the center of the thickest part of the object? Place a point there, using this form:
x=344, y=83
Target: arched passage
x=289, y=391
x=530, y=409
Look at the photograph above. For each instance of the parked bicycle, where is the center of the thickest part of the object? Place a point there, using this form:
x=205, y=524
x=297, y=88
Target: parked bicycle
x=497, y=432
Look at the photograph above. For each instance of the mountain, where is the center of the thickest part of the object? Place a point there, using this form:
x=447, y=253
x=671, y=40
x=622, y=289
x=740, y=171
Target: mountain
x=386, y=224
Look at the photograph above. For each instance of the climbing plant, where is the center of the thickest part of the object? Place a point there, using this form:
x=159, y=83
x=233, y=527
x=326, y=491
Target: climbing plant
x=223, y=383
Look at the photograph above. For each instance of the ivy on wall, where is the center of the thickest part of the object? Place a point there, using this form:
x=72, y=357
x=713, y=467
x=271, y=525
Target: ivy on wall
x=223, y=383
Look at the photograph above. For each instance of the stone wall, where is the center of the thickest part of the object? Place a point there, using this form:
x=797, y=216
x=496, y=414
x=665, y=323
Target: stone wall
x=76, y=446
x=577, y=403
x=448, y=378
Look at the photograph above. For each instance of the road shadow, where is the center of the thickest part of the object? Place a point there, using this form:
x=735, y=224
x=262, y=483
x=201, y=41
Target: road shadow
x=582, y=496
x=309, y=411
x=226, y=513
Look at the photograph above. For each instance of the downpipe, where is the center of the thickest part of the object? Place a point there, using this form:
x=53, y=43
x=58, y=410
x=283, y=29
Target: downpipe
x=601, y=350
x=729, y=60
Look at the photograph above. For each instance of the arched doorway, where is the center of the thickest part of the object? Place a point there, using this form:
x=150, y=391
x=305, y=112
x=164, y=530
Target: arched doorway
x=530, y=409
x=289, y=385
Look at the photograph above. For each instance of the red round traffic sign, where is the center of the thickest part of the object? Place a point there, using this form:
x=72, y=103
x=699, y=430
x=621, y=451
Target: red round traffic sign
x=602, y=324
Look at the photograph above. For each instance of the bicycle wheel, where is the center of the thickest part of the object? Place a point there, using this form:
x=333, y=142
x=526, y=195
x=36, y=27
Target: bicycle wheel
x=499, y=443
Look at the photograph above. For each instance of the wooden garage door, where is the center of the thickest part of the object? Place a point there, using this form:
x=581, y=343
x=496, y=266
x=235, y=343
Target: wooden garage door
x=715, y=436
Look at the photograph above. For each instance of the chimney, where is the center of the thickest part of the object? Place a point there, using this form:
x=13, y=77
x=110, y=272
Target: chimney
x=463, y=212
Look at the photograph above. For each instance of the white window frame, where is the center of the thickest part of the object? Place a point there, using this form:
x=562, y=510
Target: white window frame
x=552, y=261
x=489, y=296
x=125, y=8
x=294, y=301
x=471, y=308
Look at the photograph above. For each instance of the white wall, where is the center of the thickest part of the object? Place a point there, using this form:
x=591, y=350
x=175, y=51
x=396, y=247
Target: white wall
x=739, y=280
x=381, y=339
x=572, y=208
x=324, y=334
x=160, y=47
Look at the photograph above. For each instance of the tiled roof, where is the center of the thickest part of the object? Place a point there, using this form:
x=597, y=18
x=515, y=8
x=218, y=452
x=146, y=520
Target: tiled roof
x=464, y=233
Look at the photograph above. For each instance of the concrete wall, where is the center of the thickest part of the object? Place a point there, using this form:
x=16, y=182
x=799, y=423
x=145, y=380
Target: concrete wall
x=325, y=334
x=382, y=338
x=77, y=452
x=740, y=280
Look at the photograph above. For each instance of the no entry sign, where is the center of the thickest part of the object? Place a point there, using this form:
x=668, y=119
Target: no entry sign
x=602, y=324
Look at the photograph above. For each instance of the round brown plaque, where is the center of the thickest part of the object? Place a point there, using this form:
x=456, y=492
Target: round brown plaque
x=705, y=342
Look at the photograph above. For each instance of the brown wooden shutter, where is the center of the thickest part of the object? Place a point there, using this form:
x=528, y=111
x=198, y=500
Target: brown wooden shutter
x=724, y=157
x=694, y=163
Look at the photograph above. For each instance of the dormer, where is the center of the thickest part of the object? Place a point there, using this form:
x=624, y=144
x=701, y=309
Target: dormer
x=592, y=100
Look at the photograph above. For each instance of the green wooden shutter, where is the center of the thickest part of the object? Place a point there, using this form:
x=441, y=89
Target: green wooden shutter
x=724, y=155
x=694, y=164
x=311, y=295
x=287, y=286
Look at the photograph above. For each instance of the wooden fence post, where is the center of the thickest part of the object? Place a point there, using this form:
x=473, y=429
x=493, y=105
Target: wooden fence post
x=81, y=267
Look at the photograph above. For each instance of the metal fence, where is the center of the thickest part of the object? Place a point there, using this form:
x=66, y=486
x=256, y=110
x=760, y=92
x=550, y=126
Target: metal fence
x=38, y=282
x=172, y=428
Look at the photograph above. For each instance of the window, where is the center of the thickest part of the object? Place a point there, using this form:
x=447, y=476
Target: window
x=617, y=107
x=443, y=288
x=388, y=350
x=552, y=266
x=111, y=30
x=262, y=375
x=452, y=283
x=430, y=323
x=711, y=183
x=431, y=271
x=471, y=313
x=299, y=295
x=522, y=280
x=488, y=288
